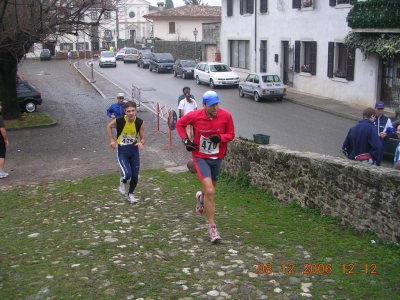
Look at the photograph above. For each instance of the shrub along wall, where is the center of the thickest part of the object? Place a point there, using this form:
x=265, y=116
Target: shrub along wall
x=365, y=197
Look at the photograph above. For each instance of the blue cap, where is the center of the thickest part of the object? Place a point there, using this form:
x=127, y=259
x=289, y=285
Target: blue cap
x=210, y=98
x=379, y=104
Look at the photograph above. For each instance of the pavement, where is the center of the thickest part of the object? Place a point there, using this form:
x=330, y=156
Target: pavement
x=78, y=146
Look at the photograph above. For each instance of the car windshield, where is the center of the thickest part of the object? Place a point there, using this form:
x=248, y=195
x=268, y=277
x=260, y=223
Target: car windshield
x=220, y=68
x=271, y=78
x=146, y=55
x=165, y=57
x=107, y=54
x=189, y=64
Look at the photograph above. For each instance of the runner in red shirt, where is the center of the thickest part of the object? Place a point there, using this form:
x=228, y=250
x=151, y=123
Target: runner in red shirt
x=213, y=129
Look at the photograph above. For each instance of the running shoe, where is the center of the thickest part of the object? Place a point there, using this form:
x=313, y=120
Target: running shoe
x=214, y=235
x=121, y=187
x=132, y=199
x=199, y=205
x=3, y=175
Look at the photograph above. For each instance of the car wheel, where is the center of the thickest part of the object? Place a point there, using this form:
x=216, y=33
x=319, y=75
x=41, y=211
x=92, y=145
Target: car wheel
x=241, y=94
x=280, y=98
x=30, y=107
x=175, y=74
x=212, y=84
x=256, y=97
x=138, y=65
x=183, y=75
x=115, y=65
x=157, y=71
x=150, y=69
x=124, y=62
x=198, y=80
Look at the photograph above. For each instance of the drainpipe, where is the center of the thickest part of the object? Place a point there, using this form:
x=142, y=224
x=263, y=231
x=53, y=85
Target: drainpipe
x=255, y=35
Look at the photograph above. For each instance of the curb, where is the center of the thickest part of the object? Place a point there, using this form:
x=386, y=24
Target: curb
x=54, y=123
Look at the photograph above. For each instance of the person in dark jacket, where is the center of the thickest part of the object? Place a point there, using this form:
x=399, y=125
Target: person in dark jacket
x=117, y=110
x=383, y=125
x=363, y=138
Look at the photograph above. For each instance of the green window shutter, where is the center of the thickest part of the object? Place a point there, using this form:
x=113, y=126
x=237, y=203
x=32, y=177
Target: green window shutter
x=332, y=3
x=263, y=6
x=229, y=8
x=351, y=59
x=71, y=46
x=297, y=45
x=331, y=52
x=313, y=67
x=296, y=4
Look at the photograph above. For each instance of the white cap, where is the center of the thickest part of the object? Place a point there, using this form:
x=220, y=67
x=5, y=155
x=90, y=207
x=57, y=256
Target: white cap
x=120, y=95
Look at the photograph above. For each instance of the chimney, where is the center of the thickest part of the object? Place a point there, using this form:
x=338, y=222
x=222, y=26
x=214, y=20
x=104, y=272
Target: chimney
x=160, y=6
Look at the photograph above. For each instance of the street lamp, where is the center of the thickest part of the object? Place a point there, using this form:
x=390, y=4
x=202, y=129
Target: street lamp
x=195, y=32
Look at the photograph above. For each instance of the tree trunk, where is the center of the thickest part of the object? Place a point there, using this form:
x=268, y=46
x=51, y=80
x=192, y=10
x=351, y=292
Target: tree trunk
x=8, y=86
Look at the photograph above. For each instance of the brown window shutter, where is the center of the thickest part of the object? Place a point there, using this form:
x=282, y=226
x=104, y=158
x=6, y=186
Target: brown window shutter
x=296, y=4
x=297, y=56
x=332, y=3
x=263, y=6
x=331, y=52
x=171, y=27
x=313, y=67
x=241, y=7
x=351, y=59
x=230, y=8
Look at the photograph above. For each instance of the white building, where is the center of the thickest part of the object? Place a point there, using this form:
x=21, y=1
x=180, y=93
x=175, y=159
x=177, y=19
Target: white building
x=302, y=41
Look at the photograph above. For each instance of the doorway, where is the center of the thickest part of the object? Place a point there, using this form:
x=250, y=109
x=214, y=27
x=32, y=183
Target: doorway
x=263, y=56
x=390, y=87
x=287, y=64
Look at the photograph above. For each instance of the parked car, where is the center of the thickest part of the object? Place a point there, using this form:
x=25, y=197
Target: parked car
x=144, y=60
x=131, y=55
x=120, y=54
x=45, y=54
x=215, y=73
x=107, y=58
x=392, y=142
x=262, y=85
x=184, y=67
x=28, y=96
x=161, y=62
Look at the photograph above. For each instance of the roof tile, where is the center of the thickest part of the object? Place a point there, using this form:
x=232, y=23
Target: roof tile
x=199, y=11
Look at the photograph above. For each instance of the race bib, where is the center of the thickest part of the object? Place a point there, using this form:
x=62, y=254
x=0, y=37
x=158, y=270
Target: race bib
x=127, y=140
x=207, y=146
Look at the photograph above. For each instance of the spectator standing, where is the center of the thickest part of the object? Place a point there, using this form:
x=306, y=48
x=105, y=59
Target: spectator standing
x=185, y=106
x=69, y=56
x=130, y=139
x=397, y=154
x=3, y=146
x=213, y=129
x=384, y=125
x=117, y=110
x=362, y=138
x=186, y=89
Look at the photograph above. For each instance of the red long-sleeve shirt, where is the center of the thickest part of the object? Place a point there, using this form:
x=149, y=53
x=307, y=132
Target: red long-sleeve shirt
x=204, y=127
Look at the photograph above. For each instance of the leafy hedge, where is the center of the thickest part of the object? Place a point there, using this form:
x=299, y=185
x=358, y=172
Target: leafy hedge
x=375, y=14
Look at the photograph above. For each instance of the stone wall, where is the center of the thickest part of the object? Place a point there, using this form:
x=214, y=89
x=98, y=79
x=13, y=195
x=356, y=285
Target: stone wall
x=178, y=49
x=363, y=196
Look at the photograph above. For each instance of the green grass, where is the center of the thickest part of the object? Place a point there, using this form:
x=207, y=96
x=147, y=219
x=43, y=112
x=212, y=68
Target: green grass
x=161, y=236
x=29, y=119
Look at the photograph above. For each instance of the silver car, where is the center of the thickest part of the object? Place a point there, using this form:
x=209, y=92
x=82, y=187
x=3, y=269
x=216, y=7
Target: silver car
x=107, y=58
x=131, y=55
x=262, y=85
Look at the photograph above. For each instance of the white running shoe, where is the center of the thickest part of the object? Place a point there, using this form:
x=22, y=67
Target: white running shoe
x=132, y=199
x=121, y=187
x=199, y=205
x=3, y=175
x=214, y=235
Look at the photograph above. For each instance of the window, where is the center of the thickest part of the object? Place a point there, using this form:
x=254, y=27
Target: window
x=107, y=15
x=239, y=54
x=171, y=27
x=340, y=61
x=299, y=4
x=263, y=6
x=256, y=79
x=306, y=57
x=229, y=8
x=65, y=46
x=250, y=78
x=339, y=2
x=81, y=46
x=246, y=7
x=93, y=15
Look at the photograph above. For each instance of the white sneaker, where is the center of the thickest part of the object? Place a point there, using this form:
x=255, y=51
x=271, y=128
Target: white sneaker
x=121, y=187
x=214, y=235
x=132, y=199
x=3, y=175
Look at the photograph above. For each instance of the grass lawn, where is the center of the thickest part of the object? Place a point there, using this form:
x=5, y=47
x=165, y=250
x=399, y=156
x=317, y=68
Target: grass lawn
x=83, y=240
x=29, y=119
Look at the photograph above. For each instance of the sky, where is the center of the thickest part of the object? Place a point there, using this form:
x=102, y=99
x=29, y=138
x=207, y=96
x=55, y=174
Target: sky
x=180, y=2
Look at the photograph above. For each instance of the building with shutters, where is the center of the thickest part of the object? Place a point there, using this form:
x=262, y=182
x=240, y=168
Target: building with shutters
x=303, y=42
